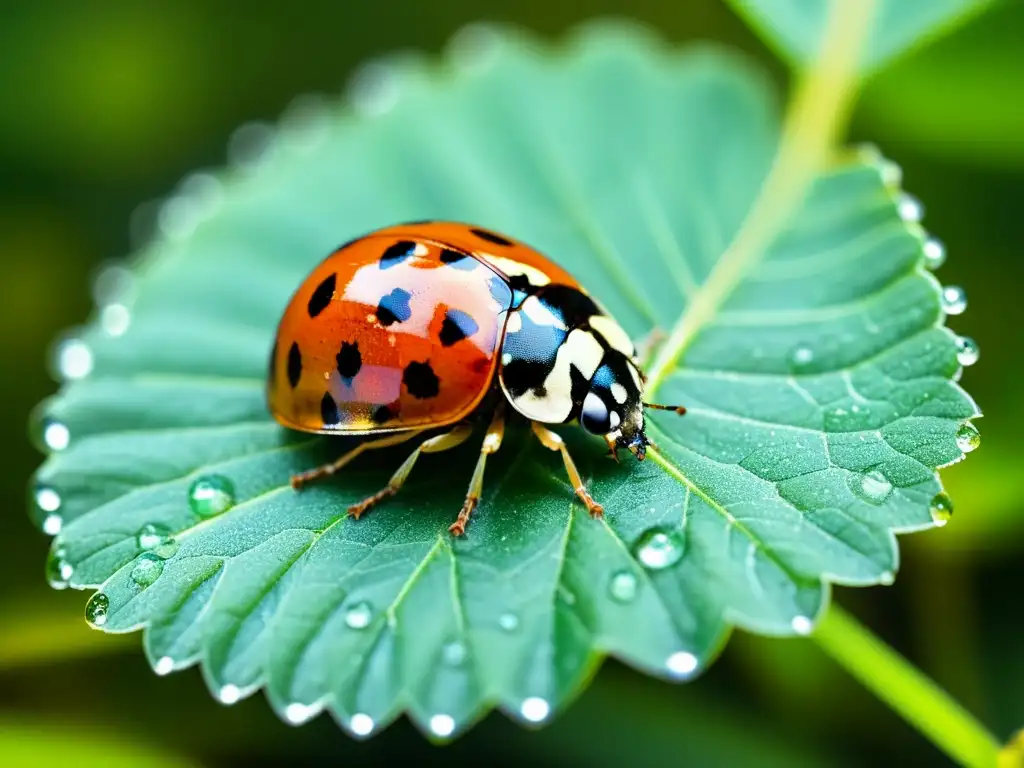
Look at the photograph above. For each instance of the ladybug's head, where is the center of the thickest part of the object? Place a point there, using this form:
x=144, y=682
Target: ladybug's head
x=614, y=410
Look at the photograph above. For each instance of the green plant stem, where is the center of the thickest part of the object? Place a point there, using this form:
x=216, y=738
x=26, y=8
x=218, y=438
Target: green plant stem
x=816, y=115
x=906, y=690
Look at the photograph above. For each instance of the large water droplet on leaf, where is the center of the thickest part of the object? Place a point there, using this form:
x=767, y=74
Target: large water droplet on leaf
x=968, y=438
x=873, y=487
x=359, y=615
x=96, y=609
x=58, y=570
x=659, y=548
x=967, y=352
x=941, y=509
x=954, y=300
x=147, y=569
x=158, y=540
x=211, y=495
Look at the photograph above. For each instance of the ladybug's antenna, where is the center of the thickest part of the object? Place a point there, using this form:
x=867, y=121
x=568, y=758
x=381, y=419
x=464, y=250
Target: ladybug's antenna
x=676, y=408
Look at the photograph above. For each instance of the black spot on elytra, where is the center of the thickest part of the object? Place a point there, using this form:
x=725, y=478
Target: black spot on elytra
x=294, y=365
x=490, y=237
x=382, y=414
x=329, y=413
x=397, y=253
x=349, y=361
x=322, y=296
x=458, y=260
x=394, y=308
x=457, y=325
x=574, y=307
x=421, y=381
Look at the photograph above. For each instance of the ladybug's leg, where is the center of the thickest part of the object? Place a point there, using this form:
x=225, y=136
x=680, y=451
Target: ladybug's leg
x=554, y=442
x=298, y=481
x=455, y=437
x=492, y=442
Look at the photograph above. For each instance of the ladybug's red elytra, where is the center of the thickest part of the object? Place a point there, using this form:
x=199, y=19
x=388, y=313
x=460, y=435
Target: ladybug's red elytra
x=426, y=325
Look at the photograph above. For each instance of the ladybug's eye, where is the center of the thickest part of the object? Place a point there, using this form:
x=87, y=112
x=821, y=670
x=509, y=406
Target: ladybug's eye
x=594, y=416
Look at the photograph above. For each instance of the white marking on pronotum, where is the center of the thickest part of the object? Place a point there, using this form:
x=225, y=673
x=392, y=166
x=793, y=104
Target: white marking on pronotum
x=613, y=334
x=514, y=324
x=619, y=392
x=581, y=349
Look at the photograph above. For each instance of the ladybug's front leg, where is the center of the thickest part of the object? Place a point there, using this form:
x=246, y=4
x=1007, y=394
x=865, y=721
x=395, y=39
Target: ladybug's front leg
x=554, y=442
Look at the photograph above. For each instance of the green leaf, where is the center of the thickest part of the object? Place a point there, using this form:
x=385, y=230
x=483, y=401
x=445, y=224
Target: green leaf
x=796, y=28
x=819, y=378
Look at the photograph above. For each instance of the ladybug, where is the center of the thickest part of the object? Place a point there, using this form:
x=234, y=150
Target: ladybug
x=429, y=325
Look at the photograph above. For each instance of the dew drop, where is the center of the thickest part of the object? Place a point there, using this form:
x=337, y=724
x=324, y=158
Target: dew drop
x=52, y=524
x=113, y=283
x=454, y=653
x=802, y=625
x=115, y=320
x=96, y=609
x=802, y=356
x=359, y=615
x=361, y=724
x=535, y=709
x=211, y=495
x=681, y=664
x=934, y=253
x=474, y=47
x=892, y=174
x=909, y=208
x=157, y=540
x=148, y=569
x=508, y=621
x=941, y=509
x=47, y=499
x=968, y=438
x=873, y=487
x=305, y=122
x=164, y=666
x=296, y=713
x=887, y=578
x=659, y=548
x=373, y=89
x=442, y=725
x=73, y=359
x=954, y=300
x=229, y=694
x=623, y=586
x=250, y=145
x=967, y=352
x=56, y=436
x=58, y=570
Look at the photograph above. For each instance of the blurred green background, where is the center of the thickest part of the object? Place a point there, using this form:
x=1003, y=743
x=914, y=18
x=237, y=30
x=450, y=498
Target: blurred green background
x=107, y=105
